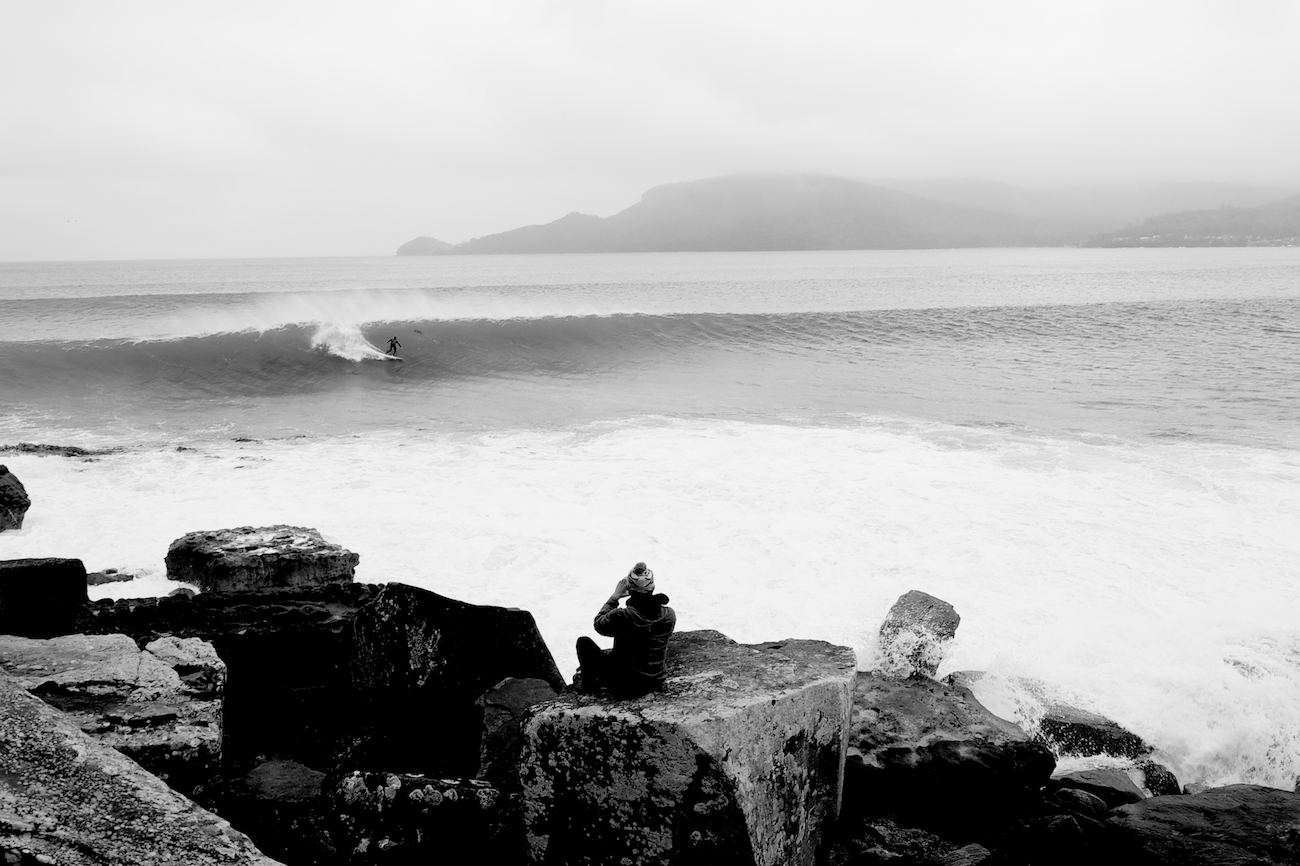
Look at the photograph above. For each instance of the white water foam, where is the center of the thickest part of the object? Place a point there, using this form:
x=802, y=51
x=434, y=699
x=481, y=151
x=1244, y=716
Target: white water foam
x=346, y=341
x=1154, y=584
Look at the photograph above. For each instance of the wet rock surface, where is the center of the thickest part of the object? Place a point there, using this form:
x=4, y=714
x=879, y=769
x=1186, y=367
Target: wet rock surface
x=1112, y=785
x=130, y=700
x=736, y=760
x=1069, y=730
x=41, y=597
x=249, y=557
x=931, y=754
x=1237, y=824
x=14, y=500
x=916, y=633
x=67, y=799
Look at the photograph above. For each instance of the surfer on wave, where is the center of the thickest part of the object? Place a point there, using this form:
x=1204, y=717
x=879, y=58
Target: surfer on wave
x=393, y=346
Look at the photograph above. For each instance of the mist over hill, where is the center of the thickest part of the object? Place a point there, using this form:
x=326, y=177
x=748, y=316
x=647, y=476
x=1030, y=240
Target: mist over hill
x=814, y=212
x=1090, y=209
x=1273, y=224
x=777, y=213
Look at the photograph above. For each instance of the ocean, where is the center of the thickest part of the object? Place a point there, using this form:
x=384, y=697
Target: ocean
x=1092, y=454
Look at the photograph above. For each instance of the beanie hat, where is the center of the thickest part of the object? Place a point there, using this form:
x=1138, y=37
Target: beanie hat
x=641, y=579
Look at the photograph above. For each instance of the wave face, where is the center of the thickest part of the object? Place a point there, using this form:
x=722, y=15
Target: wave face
x=1218, y=369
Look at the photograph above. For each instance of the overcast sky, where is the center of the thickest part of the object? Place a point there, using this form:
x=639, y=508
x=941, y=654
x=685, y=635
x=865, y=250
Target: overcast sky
x=263, y=129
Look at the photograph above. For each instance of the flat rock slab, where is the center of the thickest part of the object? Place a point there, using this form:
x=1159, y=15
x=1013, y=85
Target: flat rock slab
x=1238, y=824
x=931, y=752
x=737, y=760
x=916, y=634
x=14, y=501
x=249, y=557
x=67, y=799
x=41, y=597
x=1111, y=784
x=128, y=699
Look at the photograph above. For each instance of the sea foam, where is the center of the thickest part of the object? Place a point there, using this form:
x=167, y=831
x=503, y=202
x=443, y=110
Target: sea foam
x=1153, y=583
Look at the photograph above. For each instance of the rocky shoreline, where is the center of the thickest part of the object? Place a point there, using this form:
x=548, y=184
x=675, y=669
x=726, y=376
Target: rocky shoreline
x=287, y=712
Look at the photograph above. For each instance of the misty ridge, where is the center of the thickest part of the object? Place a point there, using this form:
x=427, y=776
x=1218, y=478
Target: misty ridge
x=814, y=212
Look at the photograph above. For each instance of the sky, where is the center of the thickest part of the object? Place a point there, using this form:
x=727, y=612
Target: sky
x=185, y=130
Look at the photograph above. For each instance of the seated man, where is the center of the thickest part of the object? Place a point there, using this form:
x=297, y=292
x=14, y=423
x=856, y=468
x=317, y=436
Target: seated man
x=638, y=662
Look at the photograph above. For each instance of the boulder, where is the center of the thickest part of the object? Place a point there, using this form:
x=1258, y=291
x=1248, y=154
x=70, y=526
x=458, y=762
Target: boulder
x=14, y=501
x=109, y=575
x=504, y=706
x=1234, y=825
x=1079, y=802
x=736, y=760
x=930, y=753
x=915, y=634
x=257, y=558
x=881, y=840
x=419, y=662
x=1069, y=730
x=403, y=818
x=130, y=700
x=287, y=652
x=41, y=597
x=1158, y=779
x=280, y=805
x=1111, y=784
x=66, y=798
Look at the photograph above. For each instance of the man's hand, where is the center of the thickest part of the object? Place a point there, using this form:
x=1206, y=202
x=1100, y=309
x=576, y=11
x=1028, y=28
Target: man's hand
x=620, y=589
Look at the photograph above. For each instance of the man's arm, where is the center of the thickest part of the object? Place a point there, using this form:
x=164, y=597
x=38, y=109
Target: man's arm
x=606, y=619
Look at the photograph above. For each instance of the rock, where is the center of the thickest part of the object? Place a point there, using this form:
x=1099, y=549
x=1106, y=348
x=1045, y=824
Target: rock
x=504, y=706
x=968, y=855
x=393, y=817
x=41, y=597
x=916, y=633
x=257, y=558
x=109, y=575
x=14, y=501
x=279, y=804
x=1158, y=779
x=882, y=840
x=57, y=450
x=419, y=663
x=130, y=700
x=736, y=760
x=1111, y=784
x=1069, y=730
x=287, y=652
x=1238, y=824
x=1080, y=802
x=66, y=798
x=195, y=661
x=930, y=753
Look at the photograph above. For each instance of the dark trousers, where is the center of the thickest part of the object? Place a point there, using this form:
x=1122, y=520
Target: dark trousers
x=600, y=670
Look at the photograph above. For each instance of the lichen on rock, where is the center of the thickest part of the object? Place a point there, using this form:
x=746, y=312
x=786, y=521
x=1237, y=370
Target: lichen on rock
x=737, y=759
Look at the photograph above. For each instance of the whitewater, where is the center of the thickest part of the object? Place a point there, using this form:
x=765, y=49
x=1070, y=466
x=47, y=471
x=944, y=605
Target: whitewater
x=1092, y=454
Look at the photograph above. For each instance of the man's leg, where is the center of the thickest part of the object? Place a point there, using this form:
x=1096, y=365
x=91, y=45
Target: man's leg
x=597, y=668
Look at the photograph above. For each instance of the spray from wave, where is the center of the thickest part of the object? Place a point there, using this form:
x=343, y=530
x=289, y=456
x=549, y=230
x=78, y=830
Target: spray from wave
x=346, y=341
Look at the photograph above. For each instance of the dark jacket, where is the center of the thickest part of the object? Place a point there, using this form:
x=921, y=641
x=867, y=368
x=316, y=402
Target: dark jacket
x=640, y=639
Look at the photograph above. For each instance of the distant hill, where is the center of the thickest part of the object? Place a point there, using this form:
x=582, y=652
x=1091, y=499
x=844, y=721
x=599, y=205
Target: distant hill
x=1268, y=225
x=803, y=212
x=424, y=247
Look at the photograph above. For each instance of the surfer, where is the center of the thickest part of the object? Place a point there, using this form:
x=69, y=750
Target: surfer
x=393, y=346
x=638, y=662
